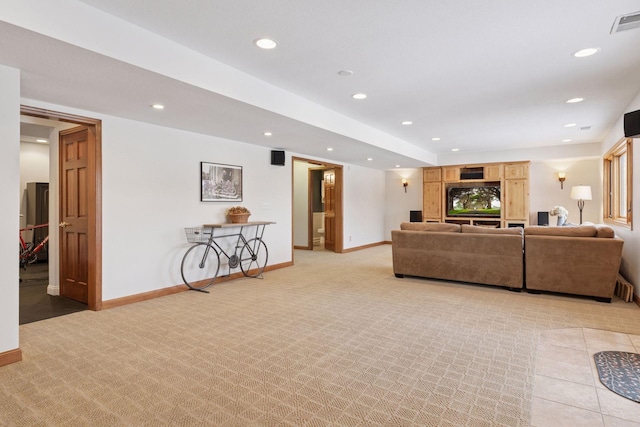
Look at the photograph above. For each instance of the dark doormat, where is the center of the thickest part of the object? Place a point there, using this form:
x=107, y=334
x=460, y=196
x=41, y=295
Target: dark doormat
x=619, y=371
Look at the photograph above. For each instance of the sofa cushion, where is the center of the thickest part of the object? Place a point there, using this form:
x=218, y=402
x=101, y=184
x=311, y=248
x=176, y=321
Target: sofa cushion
x=605, y=231
x=485, y=230
x=580, y=231
x=430, y=226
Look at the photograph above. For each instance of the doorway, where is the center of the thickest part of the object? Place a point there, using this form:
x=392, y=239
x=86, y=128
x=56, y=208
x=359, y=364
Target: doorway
x=317, y=205
x=59, y=187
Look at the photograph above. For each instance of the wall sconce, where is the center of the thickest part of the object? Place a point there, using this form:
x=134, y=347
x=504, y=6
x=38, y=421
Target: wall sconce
x=561, y=177
x=405, y=184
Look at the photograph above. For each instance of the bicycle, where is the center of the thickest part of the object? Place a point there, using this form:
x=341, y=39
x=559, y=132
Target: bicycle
x=28, y=252
x=201, y=263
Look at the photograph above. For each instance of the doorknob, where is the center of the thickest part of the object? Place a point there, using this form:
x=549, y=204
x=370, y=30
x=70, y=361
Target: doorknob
x=64, y=224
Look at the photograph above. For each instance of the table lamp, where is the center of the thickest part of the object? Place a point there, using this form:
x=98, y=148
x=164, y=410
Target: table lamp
x=581, y=193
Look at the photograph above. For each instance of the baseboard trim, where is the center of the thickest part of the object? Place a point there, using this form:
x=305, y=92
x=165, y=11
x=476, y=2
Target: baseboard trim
x=279, y=266
x=53, y=290
x=636, y=299
x=359, y=248
x=11, y=356
x=130, y=299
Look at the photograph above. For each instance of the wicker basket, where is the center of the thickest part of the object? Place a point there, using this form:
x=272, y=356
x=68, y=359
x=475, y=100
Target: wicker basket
x=240, y=218
x=197, y=234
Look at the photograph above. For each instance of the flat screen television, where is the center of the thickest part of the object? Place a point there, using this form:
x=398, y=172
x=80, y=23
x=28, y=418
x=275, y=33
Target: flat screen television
x=473, y=199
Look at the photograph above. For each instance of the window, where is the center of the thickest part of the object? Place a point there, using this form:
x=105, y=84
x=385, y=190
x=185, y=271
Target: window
x=617, y=189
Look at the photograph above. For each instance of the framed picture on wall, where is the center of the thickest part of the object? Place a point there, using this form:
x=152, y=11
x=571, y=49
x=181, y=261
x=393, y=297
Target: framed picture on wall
x=220, y=183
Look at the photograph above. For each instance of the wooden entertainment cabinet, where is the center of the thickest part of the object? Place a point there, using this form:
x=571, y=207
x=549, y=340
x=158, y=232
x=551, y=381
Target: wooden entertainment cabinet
x=512, y=178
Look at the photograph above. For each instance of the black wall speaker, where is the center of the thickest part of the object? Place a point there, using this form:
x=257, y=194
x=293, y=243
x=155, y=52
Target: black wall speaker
x=543, y=218
x=632, y=124
x=277, y=157
x=415, y=216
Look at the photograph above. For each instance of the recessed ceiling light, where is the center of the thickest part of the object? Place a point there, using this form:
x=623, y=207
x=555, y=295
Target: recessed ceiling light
x=158, y=106
x=407, y=122
x=574, y=100
x=566, y=140
x=42, y=140
x=455, y=149
x=435, y=139
x=329, y=149
x=267, y=134
x=586, y=52
x=359, y=96
x=265, y=43
x=345, y=73
x=397, y=166
x=369, y=159
x=569, y=125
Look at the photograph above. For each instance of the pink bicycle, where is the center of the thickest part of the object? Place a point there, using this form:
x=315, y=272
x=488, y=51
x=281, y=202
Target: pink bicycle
x=29, y=252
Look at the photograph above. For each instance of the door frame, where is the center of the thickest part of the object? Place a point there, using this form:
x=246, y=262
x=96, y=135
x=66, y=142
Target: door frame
x=339, y=191
x=94, y=198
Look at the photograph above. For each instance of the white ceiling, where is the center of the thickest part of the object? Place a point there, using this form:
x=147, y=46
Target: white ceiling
x=488, y=75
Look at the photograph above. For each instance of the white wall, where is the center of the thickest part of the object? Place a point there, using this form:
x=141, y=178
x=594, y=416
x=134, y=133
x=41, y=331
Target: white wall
x=545, y=191
x=151, y=191
x=399, y=203
x=631, y=250
x=9, y=214
x=364, y=206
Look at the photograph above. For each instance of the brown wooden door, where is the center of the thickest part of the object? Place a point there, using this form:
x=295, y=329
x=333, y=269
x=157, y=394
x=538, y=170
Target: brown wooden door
x=75, y=146
x=329, y=211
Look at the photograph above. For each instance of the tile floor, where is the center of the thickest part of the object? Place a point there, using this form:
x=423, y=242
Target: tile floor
x=567, y=390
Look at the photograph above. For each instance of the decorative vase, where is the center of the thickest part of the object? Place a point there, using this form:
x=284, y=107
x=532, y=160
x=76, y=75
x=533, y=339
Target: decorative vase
x=238, y=218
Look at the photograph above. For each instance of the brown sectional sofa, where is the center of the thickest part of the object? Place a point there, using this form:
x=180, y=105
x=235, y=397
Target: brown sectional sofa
x=580, y=260
x=462, y=253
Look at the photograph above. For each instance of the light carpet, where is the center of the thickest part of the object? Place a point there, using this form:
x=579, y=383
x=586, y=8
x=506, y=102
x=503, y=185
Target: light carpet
x=333, y=340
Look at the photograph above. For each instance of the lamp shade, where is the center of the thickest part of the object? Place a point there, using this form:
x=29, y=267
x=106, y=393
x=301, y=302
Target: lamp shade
x=581, y=192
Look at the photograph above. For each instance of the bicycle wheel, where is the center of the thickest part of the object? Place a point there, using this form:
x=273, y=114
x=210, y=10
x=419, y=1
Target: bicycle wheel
x=253, y=257
x=27, y=257
x=32, y=257
x=200, y=266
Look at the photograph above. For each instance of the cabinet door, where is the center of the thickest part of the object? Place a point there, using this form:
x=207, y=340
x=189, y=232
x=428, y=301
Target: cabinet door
x=432, y=175
x=451, y=173
x=516, y=196
x=517, y=170
x=493, y=172
x=432, y=200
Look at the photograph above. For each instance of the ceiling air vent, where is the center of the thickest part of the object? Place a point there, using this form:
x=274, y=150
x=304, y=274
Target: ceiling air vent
x=585, y=128
x=626, y=22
